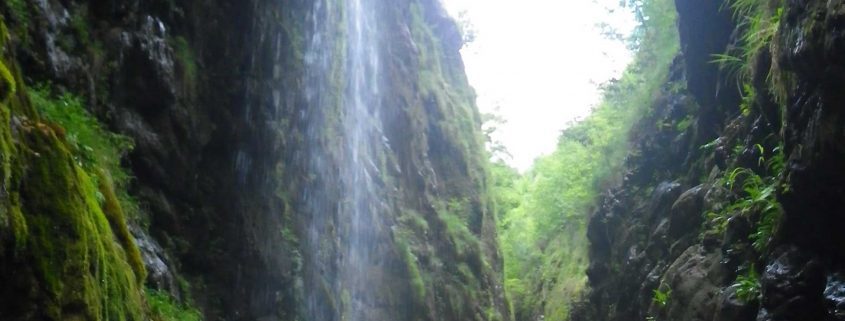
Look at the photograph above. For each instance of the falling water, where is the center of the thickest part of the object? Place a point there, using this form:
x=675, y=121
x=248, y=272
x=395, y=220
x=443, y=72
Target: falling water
x=344, y=200
x=361, y=119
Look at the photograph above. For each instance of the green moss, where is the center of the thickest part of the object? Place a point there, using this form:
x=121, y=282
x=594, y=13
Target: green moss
x=414, y=221
x=8, y=86
x=69, y=252
x=79, y=24
x=94, y=148
x=451, y=214
x=117, y=220
x=416, y=279
x=20, y=231
x=443, y=82
x=70, y=239
x=164, y=308
x=186, y=61
x=92, y=145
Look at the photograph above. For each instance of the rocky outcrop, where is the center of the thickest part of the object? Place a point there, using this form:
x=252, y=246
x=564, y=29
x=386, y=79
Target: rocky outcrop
x=695, y=232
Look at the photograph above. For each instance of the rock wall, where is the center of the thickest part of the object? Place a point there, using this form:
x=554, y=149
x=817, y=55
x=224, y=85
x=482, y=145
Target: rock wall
x=212, y=93
x=737, y=216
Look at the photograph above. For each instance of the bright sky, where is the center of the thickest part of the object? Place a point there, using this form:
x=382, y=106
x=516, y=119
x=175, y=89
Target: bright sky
x=537, y=63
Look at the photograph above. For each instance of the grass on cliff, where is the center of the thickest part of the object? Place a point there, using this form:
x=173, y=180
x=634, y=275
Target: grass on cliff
x=71, y=240
x=759, y=22
x=68, y=211
x=164, y=308
x=543, y=228
x=93, y=147
x=755, y=191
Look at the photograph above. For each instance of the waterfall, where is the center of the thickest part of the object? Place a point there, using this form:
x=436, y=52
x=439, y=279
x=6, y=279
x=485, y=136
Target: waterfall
x=360, y=122
x=344, y=201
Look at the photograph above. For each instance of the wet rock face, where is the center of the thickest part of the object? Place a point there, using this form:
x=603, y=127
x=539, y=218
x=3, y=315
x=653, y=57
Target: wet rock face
x=686, y=211
x=813, y=49
x=147, y=74
x=731, y=308
x=792, y=286
x=834, y=297
x=159, y=274
x=706, y=28
x=213, y=95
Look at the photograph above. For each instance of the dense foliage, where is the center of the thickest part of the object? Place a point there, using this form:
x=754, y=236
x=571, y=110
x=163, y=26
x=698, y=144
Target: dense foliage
x=543, y=212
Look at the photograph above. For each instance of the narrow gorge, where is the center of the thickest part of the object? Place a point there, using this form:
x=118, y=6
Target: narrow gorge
x=327, y=160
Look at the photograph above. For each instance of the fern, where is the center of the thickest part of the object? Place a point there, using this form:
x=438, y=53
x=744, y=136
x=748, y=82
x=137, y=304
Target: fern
x=759, y=196
x=748, y=286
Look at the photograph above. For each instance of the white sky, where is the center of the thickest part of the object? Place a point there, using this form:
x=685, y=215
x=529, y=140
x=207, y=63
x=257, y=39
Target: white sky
x=539, y=62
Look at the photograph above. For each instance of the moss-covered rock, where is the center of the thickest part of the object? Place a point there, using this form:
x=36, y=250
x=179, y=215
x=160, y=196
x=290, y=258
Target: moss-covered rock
x=62, y=257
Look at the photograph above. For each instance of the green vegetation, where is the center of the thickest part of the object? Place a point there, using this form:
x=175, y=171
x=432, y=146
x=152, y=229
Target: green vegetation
x=661, y=298
x=186, y=61
x=9, y=86
x=411, y=264
x=78, y=253
x=758, y=199
x=466, y=243
x=67, y=208
x=755, y=191
x=748, y=286
x=445, y=87
x=543, y=213
x=92, y=145
x=94, y=148
x=89, y=262
x=759, y=21
x=442, y=104
x=164, y=308
x=19, y=12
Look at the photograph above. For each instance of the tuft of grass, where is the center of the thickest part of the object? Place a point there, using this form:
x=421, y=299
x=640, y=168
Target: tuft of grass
x=661, y=298
x=164, y=308
x=187, y=62
x=466, y=243
x=93, y=147
x=92, y=144
x=760, y=22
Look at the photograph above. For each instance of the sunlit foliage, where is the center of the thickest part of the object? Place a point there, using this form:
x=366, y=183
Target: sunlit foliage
x=543, y=212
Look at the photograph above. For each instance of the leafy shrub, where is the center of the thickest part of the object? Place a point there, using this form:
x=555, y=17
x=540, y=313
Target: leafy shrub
x=748, y=286
x=759, y=197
